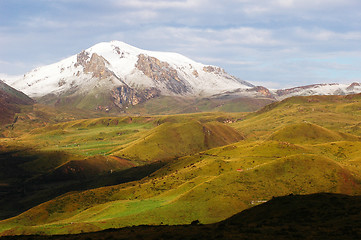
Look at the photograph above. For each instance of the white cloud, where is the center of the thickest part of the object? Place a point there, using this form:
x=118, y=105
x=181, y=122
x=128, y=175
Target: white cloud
x=268, y=84
x=160, y=4
x=225, y=61
x=42, y=22
x=254, y=40
x=294, y=8
x=255, y=10
x=215, y=37
x=327, y=35
x=285, y=3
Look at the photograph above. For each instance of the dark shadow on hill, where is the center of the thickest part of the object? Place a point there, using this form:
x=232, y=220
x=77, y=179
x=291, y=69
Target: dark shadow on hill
x=22, y=189
x=315, y=216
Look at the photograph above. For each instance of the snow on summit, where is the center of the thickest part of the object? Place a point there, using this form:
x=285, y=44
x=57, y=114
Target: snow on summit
x=112, y=64
x=117, y=74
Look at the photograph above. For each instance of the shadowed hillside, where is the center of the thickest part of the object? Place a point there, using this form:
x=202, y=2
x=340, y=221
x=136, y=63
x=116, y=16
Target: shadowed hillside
x=218, y=183
x=299, y=146
x=316, y=216
x=11, y=102
x=48, y=161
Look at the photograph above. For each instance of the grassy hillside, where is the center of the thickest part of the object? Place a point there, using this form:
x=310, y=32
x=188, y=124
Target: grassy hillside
x=338, y=113
x=178, y=105
x=287, y=217
x=308, y=133
x=171, y=140
x=49, y=161
x=218, y=183
x=301, y=145
x=37, y=116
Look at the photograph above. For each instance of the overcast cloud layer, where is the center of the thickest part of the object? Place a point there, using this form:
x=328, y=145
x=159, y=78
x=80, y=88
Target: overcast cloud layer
x=275, y=43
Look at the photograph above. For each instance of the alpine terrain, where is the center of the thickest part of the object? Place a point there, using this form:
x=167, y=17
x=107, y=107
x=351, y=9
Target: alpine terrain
x=122, y=143
x=116, y=75
x=319, y=89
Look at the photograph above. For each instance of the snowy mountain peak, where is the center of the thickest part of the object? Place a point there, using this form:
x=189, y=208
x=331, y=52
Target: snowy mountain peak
x=127, y=75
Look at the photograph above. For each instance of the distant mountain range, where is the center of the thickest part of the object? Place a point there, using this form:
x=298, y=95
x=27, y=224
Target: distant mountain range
x=319, y=89
x=115, y=75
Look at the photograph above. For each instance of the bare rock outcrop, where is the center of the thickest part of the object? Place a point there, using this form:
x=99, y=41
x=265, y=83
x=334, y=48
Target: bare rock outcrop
x=162, y=74
x=124, y=96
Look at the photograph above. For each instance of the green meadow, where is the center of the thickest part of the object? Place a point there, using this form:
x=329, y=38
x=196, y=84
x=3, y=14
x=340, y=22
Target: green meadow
x=213, y=165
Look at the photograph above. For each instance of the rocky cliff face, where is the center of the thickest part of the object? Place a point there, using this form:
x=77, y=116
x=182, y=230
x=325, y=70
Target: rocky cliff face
x=354, y=87
x=162, y=74
x=125, y=96
x=97, y=66
x=262, y=91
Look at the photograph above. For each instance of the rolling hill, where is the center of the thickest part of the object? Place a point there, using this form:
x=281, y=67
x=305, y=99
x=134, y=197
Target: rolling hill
x=49, y=161
x=301, y=145
x=287, y=217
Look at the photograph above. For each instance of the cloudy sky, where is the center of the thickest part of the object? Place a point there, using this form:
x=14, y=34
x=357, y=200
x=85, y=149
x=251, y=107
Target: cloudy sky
x=275, y=43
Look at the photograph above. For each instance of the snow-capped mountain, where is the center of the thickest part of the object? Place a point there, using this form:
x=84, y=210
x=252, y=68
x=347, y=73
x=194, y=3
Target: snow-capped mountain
x=125, y=75
x=115, y=75
x=318, y=89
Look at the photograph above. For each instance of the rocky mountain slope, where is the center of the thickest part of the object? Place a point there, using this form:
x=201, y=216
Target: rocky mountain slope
x=10, y=102
x=114, y=74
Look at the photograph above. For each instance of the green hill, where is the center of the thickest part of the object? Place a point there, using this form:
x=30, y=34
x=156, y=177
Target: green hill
x=170, y=140
x=218, y=183
x=179, y=105
x=301, y=145
x=67, y=156
x=309, y=133
x=337, y=113
x=315, y=216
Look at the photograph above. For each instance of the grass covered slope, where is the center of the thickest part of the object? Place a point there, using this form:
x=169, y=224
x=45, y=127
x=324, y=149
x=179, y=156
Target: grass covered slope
x=37, y=116
x=170, y=140
x=67, y=156
x=289, y=148
x=287, y=217
x=309, y=133
x=180, y=105
x=337, y=113
x=217, y=183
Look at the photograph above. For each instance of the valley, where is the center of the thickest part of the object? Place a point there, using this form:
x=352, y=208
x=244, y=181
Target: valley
x=85, y=175
x=184, y=120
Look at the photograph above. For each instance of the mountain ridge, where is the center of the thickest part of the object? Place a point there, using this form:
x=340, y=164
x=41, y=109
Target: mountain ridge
x=11, y=101
x=116, y=75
